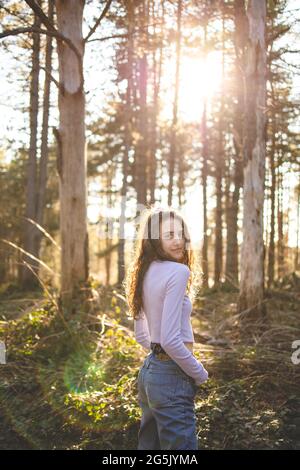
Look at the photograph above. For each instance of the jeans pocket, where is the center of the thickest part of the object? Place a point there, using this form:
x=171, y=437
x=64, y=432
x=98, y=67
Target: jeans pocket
x=160, y=388
x=191, y=382
x=186, y=389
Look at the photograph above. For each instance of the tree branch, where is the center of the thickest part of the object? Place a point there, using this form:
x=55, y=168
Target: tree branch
x=39, y=12
x=52, y=30
x=93, y=29
x=29, y=29
x=32, y=29
x=50, y=76
x=114, y=36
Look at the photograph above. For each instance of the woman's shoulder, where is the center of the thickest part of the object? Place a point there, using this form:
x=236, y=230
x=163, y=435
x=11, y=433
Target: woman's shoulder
x=172, y=267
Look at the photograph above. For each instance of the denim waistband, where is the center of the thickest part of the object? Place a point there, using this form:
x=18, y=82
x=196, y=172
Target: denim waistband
x=165, y=367
x=162, y=367
x=152, y=359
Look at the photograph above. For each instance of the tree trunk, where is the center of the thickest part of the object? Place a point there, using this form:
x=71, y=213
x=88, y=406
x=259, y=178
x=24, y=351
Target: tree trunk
x=231, y=267
x=143, y=143
x=157, y=72
x=109, y=239
x=280, y=250
x=252, y=254
x=296, y=260
x=127, y=141
x=173, y=144
x=44, y=145
x=204, y=261
x=219, y=176
x=71, y=162
x=271, y=257
x=28, y=278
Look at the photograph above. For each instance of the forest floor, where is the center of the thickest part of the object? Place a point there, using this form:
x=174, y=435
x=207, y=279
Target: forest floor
x=70, y=380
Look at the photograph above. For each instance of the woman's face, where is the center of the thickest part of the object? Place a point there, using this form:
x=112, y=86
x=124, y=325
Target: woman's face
x=172, y=238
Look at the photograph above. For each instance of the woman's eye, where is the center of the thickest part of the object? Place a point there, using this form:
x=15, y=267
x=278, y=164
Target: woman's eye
x=170, y=236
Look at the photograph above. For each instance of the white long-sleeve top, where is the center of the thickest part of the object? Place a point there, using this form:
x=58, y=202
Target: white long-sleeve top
x=165, y=318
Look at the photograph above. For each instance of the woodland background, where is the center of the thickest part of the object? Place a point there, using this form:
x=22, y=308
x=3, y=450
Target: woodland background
x=112, y=106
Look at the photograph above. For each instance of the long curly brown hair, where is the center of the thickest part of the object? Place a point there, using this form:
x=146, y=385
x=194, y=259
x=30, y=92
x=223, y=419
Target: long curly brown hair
x=149, y=248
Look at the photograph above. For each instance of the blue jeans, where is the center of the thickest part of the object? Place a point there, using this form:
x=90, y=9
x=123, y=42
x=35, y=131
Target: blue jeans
x=166, y=396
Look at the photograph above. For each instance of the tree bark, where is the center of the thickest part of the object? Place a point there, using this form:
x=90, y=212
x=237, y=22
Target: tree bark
x=219, y=177
x=271, y=257
x=45, y=126
x=280, y=247
x=141, y=156
x=28, y=278
x=231, y=267
x=173, y=143
x=71, y=163
x=252, y=255
x=157, y=72
x=127, y=142
x=204, y=250
x=296, y=260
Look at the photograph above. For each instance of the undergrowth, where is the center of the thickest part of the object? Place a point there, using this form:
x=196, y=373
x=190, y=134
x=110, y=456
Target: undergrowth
x=71, y=383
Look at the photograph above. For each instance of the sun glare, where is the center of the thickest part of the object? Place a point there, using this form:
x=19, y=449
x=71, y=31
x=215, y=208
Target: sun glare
x=198, y=80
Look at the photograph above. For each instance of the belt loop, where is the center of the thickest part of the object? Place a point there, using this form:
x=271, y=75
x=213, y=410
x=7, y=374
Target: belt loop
x=148, y=360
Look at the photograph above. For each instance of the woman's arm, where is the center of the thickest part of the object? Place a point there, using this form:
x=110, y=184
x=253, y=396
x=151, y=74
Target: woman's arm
x=170, y=336
x=141, y=331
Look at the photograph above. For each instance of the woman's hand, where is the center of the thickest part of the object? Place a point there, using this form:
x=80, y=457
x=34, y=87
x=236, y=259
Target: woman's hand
x=204, y=377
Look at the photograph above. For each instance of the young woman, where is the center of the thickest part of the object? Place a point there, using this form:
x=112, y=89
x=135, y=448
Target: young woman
x=170, y=376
